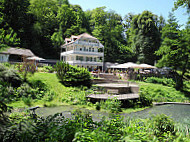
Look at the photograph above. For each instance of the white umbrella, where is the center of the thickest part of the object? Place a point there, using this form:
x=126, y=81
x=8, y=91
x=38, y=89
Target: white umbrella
x=146, y=66
x=35, y=58
x=125, y=65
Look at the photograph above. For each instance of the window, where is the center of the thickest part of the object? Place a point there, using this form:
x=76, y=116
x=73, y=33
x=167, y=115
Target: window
x=84, y=48
x=81, y=58
x=92, y=49
x=77, y=57
x=91, y=59
x=95, y=59
x=87, y=58
x=80, y=49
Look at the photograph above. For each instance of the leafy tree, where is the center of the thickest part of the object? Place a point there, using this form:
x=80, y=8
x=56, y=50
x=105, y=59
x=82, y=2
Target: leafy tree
x=145, y=37
x=182, y=3
x=175, y=49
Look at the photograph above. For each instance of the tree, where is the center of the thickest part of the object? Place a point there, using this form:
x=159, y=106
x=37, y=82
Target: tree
x=182, y=3
x=145, y=37
x=175, y=49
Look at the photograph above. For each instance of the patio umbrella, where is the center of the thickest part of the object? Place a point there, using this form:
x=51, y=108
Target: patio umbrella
x=35, y=58
x=125, y=65
x=146, y=66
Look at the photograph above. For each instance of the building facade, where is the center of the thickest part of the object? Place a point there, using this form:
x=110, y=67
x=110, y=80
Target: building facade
x=84, y=51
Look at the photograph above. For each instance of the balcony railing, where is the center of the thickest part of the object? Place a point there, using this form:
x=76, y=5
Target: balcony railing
x=85, y=63
x=99, y=54
x=87, y=43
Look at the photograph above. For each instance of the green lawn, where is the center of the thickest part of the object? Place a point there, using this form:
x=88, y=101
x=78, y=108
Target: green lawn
x=76, y=96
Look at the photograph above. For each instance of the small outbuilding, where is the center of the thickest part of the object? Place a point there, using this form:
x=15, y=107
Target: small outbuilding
x=15, y=54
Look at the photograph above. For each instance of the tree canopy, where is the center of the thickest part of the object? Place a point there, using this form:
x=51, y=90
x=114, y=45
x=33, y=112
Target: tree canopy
x=42, y=26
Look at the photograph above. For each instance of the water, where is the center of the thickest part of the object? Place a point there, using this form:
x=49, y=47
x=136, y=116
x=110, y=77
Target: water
x=179, y=113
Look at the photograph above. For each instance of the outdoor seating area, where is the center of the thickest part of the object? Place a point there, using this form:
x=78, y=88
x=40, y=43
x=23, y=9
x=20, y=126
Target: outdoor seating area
x=133, y=71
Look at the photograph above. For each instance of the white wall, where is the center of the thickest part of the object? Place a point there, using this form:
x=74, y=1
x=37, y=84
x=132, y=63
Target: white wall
x=4, y=58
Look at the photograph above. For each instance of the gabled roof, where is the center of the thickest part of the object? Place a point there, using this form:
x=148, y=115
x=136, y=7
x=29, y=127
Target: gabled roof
x=84, y=35
x=19, y=51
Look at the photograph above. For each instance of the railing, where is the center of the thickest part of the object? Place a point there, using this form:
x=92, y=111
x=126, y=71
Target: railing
x=100, y=54
x=85, y=62
x=88, y=43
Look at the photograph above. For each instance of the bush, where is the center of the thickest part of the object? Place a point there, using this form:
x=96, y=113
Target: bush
x=72, y=75
x=34, y=90
x=48, y=69
x=160, y=93
x=113, y=105
x=164, y=81
x=81, y=127
x=9, y=75
x=145, y=99
x=163, y=127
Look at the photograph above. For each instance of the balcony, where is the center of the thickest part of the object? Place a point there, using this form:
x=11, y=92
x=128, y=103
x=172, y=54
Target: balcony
x=76, y=52
x=87, y=63
x=87, y=43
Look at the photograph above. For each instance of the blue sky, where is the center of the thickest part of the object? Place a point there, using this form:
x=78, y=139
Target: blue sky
x=122, y=7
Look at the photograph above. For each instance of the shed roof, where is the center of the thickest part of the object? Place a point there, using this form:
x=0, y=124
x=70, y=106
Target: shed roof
x=19, y=51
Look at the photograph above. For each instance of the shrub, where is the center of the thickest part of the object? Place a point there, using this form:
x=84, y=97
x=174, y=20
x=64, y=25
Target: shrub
x=48, y=69
x=72, y=75
x=145, y=99
x=27, y=101
x=164, y=81
x=35, y=90
x=163, y=127
x=97, y=106
x=9, y=75
x=113, y=105
x=160, y=93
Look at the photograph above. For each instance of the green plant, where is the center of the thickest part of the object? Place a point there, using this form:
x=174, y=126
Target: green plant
x=48, y=69
x=27, y=101
x=163, y=127
x=114, y=105
x=72, y=75
x=98, y=107
x=164, y=81
x=9, y=75
x=145, y=99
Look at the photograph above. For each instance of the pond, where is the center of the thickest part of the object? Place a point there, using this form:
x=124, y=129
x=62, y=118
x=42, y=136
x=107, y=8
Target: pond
x=179, y=113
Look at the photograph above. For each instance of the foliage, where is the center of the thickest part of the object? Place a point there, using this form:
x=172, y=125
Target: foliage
x=145, y=36
x=34, y=90
x=182, y=3
x=160, y=93
x=26, y=68
x=48, y=69
x=72, y=75
x=175, y=48
x=9, y=75
x=145, y=99
x=164, y=81
x=113, y=105
x=163, y=126
x=6, y=96
x=81, y=127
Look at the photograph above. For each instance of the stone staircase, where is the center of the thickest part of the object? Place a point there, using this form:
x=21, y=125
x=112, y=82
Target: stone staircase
x=106, y=78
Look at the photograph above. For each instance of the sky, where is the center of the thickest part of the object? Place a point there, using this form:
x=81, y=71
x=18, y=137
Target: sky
x=123, y=7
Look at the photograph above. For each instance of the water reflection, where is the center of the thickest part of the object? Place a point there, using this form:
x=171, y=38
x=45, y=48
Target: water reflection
x=180, y=113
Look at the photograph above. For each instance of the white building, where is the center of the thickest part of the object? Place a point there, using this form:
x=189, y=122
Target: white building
x=83, y=50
